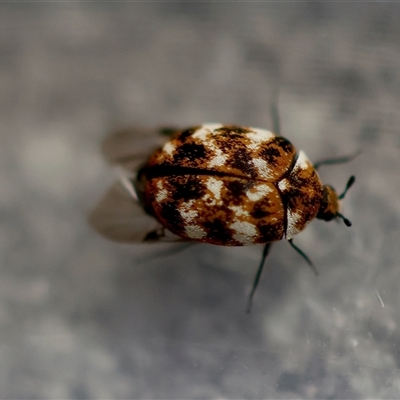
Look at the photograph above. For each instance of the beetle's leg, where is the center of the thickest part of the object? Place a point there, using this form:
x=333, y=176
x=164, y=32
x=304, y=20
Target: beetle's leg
x=257, y=277
x=337, y=160
x=309, y=262
x=155, y=235
x=162, y=234
x=168, y=130
x=349, y=184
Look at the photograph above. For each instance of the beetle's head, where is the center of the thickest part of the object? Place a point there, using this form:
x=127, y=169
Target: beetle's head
x=330, y=204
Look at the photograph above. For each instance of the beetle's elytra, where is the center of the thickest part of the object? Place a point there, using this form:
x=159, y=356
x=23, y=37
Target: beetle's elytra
x=231, y=186
x=220, y=184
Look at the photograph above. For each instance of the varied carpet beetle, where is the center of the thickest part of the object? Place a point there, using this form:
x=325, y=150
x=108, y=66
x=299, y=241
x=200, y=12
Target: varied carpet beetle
x=220, y=184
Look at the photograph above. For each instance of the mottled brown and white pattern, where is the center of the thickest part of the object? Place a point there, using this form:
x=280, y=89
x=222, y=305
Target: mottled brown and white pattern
x=219, y=184
x=231, y=186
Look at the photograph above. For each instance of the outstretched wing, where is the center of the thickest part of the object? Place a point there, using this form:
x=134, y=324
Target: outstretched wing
x=131, y=147
x=119, y=216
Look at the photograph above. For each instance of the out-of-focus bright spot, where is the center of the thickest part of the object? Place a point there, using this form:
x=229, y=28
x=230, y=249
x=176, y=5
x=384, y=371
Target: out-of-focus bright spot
x=303, y=118
x=48, y=164
x=354, y=342
x=34, y=291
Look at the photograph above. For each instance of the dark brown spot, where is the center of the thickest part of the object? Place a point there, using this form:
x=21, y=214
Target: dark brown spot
x=260, y=209
x=186, y=133
x=273, y=151
x=270, y=155
x=190, y=152
x=171, y=215
x=237, y=190
x=241, y=160
x=218, y=231
x=270, y=232
x=284, y=144
x=186, y=187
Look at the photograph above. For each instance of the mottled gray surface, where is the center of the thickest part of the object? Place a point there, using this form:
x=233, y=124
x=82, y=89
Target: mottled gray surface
x=81, y=317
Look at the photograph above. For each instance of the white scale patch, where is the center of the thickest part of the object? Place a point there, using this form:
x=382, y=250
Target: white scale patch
x=239, y=211
x=283, y=185
x=302, y=161
x=187, y=213
x=258, y=192
x=169, y=148
x=292, y=219
x=205, y=131
x=195, y=231
x=245, y=232
x=219, y=159
x=204, y=134
x=214, y=186
x=162, y=194
x=258, y=136
x=262, y=167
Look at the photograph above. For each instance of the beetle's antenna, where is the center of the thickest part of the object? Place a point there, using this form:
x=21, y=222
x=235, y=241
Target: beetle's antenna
x=337, y=160
x=349, y=184
x=257, y=278
x=345, y=220
x=276, y=125
x=310, y=263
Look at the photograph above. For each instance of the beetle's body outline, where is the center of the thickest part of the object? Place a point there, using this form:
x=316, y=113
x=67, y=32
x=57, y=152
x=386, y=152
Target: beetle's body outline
x=220, y=184
x=231, y=186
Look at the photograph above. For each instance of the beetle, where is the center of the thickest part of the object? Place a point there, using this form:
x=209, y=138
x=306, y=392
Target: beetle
x=221, y=184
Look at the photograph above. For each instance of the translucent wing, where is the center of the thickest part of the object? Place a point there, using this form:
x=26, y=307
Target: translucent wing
x=119, y=216
x=131, y=147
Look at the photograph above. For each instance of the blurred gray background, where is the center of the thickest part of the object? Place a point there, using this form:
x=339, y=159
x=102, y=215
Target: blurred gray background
x=81, y=317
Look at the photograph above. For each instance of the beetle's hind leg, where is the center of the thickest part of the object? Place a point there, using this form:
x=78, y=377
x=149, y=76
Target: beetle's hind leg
x=301, y=252
x=337, y=160
x=155, y=235
x=267, y=247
